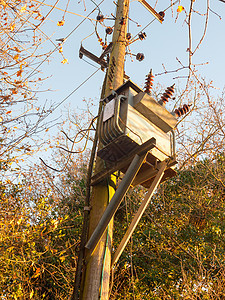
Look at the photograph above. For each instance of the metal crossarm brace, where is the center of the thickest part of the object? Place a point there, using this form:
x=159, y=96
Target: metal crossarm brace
x=93, y=57
x=116, y=200
x=140, y=212
x=151, y=10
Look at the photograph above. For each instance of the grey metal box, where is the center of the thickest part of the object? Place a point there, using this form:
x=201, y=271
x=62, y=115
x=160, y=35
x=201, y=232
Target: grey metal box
x=134, y=117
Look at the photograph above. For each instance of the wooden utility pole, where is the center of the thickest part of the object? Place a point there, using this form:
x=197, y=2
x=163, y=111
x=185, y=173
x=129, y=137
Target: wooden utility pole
x=96, y=277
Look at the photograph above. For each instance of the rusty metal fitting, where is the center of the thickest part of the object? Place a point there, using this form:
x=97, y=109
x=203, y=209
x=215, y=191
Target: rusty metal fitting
x=162, y=15
x=140, y=56
x=182, y=110
x=128, y=36
x=109, y=30
x=122, y=21
x=100, y=18
x=142, y=36
x=149, y=82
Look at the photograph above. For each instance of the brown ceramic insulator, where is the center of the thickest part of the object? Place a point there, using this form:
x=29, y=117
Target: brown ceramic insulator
x=182, y=110
x=109, y=30
x=142, y=36
x=140, y=56
x=122, y=21
x=168, y=94
x=100, y=18
x=162, y=14
x=149, y=82
x=128, y=36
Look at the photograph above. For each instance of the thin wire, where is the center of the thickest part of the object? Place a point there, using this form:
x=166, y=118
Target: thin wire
x=75, y=90
x=84, y=131
x=50, y=111
x=71, y=151
x=152, y=21
x=87, y=36
x=89, y=63
x=56, y=48
x=96, y=5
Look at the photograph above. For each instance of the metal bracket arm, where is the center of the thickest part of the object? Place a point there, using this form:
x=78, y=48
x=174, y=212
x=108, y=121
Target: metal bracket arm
x=99, y=60
x=151, y=10
x=139, y=213
x=115, y=201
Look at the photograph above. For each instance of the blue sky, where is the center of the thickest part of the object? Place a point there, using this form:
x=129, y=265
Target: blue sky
x=164, y=44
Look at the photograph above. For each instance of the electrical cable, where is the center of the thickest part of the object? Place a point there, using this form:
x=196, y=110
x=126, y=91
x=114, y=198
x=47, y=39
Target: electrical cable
x=75, y=90
x=89, y=63
x=132, y=40
x=71, y=151
x=50, y=111
x=131, y=130
x=96, y=5
x=82, y=130
x=56, y=48
x=85, y=135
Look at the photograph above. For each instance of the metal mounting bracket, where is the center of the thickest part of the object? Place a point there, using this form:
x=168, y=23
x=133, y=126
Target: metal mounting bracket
x=151, y=10
x=140, y=212
x=99, y=60
x=115, y=201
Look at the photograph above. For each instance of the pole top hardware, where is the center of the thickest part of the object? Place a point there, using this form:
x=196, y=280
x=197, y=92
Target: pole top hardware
x=159, y=16
x=87, y=208
x=99, y=60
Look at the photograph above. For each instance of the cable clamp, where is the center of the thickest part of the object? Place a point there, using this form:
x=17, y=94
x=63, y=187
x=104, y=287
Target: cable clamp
x=88, y=208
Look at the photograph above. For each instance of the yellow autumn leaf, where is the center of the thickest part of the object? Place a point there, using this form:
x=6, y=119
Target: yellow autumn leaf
x=19, y=221
x=37, y=273
x=16, y=56
x=2, y=2
x=19, y=73
x=23, y=8
x=31, y=294
x=64, y=61
x=62, y=258
x=14, y=91
x=17, y=49
x=180, y=8
x=60, y=23
x=12, y=27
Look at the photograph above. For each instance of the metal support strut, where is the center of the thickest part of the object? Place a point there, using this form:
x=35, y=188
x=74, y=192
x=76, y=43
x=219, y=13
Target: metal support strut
x=140, y=212
x=116, y=200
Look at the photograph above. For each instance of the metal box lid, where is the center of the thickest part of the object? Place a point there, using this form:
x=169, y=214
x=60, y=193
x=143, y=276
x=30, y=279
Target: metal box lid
x=154, y=112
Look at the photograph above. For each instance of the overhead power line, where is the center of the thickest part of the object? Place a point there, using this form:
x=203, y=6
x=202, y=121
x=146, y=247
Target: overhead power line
x=75, y=89
x=154, y=20
x=57, y=47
